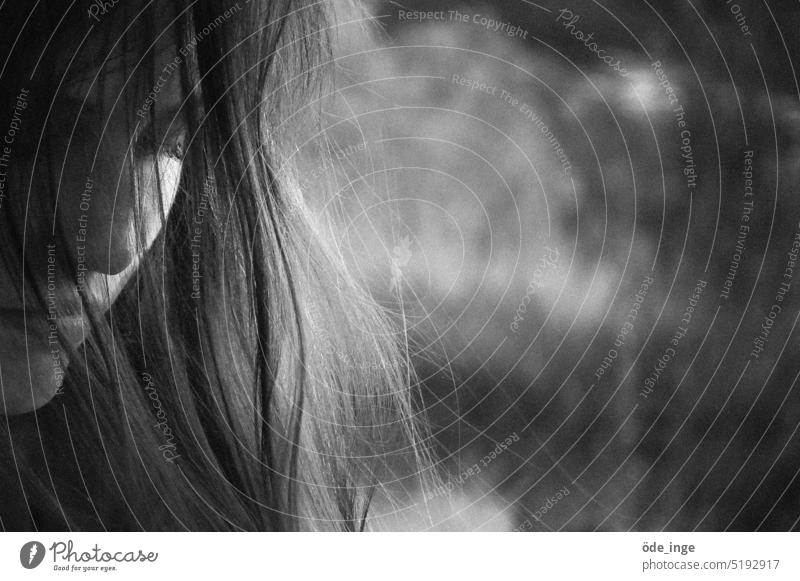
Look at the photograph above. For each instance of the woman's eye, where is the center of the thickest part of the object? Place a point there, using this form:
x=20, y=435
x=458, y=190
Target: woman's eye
x=149, y=142
x=176, y=144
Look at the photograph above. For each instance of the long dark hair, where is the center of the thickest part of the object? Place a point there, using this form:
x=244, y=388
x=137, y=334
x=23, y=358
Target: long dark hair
x=243, y=379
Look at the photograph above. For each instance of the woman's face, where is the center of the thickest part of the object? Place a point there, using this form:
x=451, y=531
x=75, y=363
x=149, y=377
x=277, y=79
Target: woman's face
x=85, y=177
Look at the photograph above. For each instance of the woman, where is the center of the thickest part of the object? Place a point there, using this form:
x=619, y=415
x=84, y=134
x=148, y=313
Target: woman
x=178, y=344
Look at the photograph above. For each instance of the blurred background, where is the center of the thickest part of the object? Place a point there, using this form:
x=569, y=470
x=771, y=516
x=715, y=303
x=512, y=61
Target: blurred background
x=586, y=215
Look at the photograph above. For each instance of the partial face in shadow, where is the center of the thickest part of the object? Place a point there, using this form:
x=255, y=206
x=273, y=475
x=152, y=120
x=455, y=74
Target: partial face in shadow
x=89, y=176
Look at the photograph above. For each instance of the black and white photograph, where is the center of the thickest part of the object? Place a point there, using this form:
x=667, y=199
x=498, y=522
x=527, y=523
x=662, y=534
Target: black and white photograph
x=400, y=267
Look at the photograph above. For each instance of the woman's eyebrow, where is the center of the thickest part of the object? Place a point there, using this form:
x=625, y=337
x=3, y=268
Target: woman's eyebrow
x=170, y=115
x=81, y=97
x=167, y=118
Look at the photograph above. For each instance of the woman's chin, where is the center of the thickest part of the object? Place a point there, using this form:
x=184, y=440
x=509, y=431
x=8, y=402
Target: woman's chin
x=31, y=368
x=23, y=392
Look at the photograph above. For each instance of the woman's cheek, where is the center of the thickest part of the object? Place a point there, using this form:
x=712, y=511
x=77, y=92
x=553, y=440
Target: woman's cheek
x=116, y=216
x=160, y=179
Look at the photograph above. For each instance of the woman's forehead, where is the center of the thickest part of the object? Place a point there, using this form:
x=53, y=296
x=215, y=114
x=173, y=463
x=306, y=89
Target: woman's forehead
x=80, y=53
